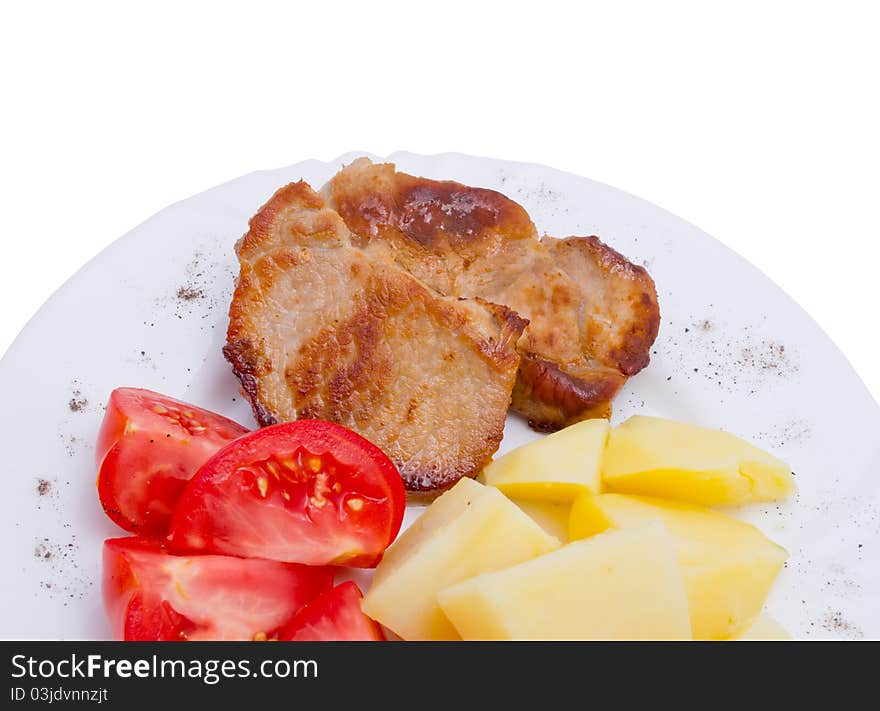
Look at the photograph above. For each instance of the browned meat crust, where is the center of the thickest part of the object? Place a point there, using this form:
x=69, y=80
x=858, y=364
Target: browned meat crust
x=319, y=328
x=593, y=315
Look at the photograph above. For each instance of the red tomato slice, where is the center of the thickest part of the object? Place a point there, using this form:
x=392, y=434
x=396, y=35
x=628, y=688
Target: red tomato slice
x=152, y=595
x=303, y=492
x=334, y=616
x=148, y=447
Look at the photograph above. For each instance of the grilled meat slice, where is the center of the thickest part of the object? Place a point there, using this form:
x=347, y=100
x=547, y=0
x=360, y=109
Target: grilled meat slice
x=592, y=314
x=322, y=329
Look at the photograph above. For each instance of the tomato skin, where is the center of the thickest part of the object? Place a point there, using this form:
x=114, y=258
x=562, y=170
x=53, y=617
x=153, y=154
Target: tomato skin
x=334, y=616
x=308, y=491
x=119, y=587
x=151, y=595
x=148, y=447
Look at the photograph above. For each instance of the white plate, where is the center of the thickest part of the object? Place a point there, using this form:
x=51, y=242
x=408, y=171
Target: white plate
x=734, y=352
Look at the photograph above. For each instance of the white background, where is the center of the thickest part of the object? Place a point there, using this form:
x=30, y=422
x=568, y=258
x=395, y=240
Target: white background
x=758, y=122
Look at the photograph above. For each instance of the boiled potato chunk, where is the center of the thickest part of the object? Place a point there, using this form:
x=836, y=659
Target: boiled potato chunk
x=587, y=516
x=624, y=584
x=555, y=468
x=553, y=518
x=764, y=629
x=657, y=457
x=471, y=529
x=728, y=565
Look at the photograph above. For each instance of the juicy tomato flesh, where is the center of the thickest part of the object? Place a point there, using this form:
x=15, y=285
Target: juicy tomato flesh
x=152, y=595
x=334, y=616
x=307, y=491
x=149, y=446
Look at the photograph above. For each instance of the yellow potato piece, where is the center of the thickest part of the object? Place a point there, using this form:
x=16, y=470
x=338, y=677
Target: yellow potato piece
x=764, y=629
x=471, y=529
x=657, y=457
x=728, y=565
x=587, y=516
x=555, y=468
x=553, y=518
x=624, y=584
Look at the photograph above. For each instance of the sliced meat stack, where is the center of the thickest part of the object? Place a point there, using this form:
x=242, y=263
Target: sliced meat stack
x=416, y=312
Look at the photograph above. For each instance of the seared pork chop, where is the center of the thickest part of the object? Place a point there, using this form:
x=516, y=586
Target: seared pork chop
x=592, y=314
x=322, y=329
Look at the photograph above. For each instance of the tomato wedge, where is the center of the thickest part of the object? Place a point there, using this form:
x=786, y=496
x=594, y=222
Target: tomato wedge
x=334, y=616
x=303, y=492
x=149, y=445
x=152, y=595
